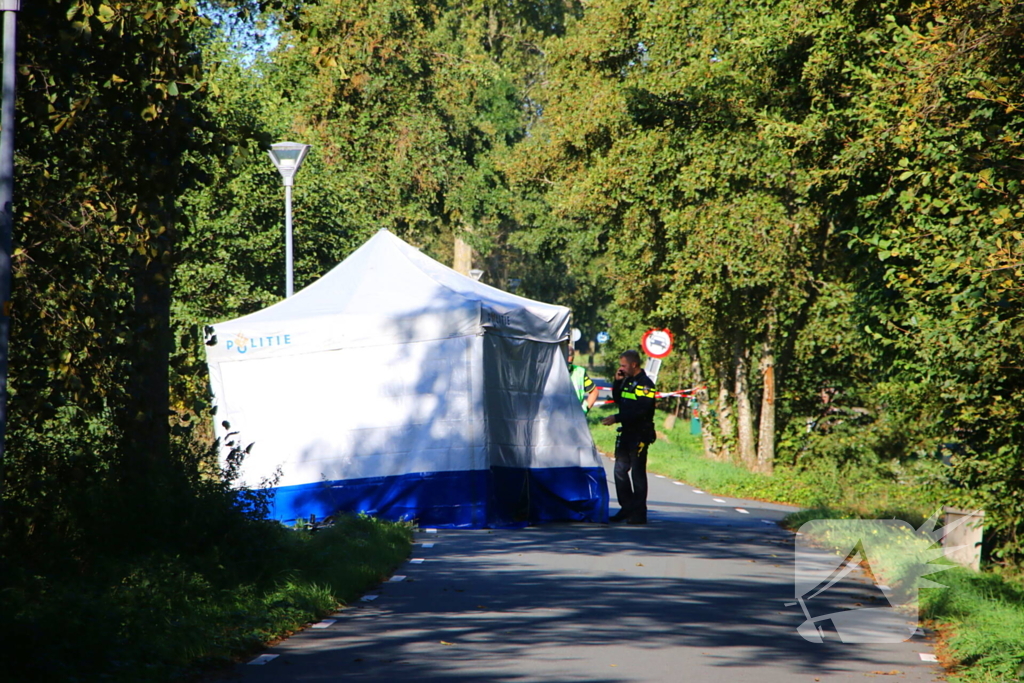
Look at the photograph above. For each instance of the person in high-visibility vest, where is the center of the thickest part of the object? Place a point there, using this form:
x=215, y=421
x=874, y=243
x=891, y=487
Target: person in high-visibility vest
x=586, y=390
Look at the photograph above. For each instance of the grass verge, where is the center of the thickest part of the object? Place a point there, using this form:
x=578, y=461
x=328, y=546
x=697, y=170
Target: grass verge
x=680, y=455
x=168, y=617
x=979, y=616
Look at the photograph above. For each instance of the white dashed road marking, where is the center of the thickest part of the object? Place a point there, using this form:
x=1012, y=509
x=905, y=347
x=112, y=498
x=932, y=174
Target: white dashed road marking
x=396, y=578
x=325, y=623
x=262, y=659
x=927, y=657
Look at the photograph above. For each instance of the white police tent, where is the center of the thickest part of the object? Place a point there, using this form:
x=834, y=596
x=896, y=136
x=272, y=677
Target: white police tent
x=400, y=388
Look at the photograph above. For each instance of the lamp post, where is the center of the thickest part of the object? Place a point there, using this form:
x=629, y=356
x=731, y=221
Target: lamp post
x=10, y=9
x=287, y=158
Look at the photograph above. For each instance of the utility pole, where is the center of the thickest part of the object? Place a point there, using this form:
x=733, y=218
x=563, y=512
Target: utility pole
x=10, y=11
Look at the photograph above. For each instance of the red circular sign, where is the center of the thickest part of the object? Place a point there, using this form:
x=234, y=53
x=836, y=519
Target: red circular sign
x=656, y=343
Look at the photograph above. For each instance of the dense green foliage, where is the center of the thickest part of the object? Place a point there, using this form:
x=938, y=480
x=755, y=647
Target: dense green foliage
x=821, y=199
x=105, y=114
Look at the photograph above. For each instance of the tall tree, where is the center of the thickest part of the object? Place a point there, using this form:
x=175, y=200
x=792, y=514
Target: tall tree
x=936, y=166
x=106, y=115
x=665, y=139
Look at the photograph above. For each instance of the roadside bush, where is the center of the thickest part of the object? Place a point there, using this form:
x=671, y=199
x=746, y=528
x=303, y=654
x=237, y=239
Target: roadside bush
x=165, y=615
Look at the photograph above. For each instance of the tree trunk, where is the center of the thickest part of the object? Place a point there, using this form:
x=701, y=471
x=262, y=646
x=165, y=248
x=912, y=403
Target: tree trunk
x=463, y=261
x=146, y=417
x=744, y=413
x=711, y=445
x=726, y=426
x=766, y=436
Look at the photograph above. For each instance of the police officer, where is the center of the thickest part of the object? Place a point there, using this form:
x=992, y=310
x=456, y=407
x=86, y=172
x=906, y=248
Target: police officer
x=586, y=390
x=633, y=393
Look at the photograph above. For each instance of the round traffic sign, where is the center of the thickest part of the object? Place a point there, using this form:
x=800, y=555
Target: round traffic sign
x=576, y=334
x=656, y=343
x=603, y=337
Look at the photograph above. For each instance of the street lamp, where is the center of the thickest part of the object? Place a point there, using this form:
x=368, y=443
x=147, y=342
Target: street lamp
x=287, y=158
x=9, y=8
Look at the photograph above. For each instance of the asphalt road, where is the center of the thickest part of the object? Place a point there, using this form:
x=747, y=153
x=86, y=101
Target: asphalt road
x=699, y=594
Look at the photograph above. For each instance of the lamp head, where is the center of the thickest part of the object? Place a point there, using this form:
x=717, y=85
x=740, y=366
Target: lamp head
x=287, y=158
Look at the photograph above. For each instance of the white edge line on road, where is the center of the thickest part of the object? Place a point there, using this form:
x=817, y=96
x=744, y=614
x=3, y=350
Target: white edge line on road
x=741, y=510
x=262, y=659
x=396, y=578
x=427, y=545
x=325, y=623
x=927, y=657
x=416, y=560
x=370, y=597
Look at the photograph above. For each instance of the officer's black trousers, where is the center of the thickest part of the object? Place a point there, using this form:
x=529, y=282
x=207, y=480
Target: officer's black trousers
x=631, y=475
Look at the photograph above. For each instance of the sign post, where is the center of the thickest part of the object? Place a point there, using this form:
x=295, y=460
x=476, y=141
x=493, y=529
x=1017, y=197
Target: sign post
x=657, y=344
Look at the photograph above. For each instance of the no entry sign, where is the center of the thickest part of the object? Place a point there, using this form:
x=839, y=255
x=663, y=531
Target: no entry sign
x=656, y=343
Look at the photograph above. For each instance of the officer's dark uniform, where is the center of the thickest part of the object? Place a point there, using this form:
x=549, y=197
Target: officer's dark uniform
x=635, y=398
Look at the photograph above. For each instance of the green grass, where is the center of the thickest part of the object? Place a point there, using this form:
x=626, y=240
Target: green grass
x=979, y=616
x=981, y=619
x=858, y=489
x=164, y=618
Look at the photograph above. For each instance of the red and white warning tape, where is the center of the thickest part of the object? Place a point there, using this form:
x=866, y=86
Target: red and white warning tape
x=682, y=393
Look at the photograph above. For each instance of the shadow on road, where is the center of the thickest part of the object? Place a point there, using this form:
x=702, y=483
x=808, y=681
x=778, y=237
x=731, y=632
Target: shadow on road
x=660, y=602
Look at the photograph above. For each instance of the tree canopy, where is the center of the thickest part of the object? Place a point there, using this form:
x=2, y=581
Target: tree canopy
x=820, y=199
